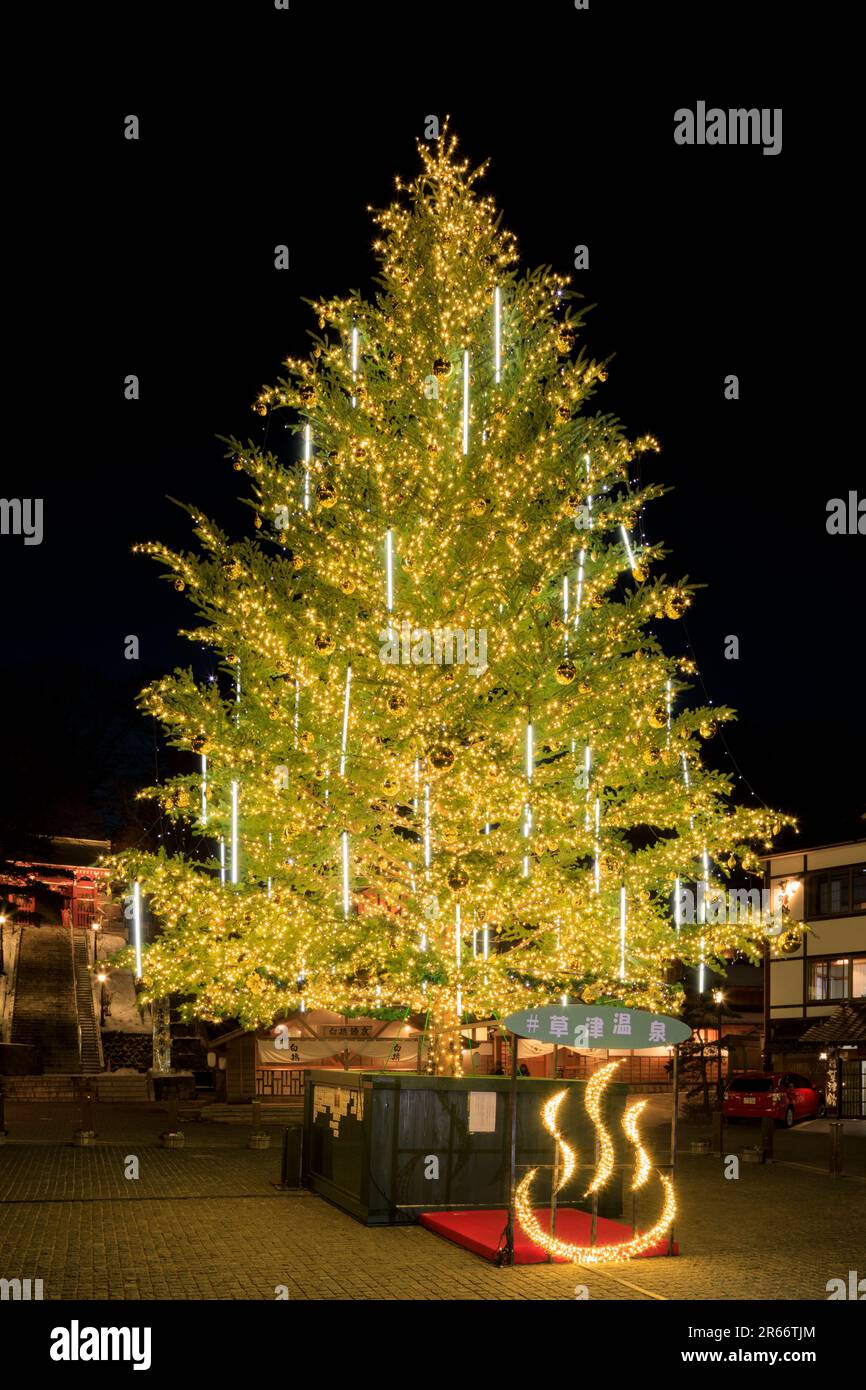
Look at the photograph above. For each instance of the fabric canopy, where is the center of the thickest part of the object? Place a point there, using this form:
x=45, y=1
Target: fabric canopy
x=299, y=1050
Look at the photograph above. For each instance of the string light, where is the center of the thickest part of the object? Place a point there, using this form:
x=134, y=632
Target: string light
x=595, y=1254
x=466, y=401
x=307, y=458
x=490, y=543
x=595, y=1089
x=136, y=926
x=389, y=575
x=234, y=860
x=643, y=1167
x=344, y=838
x=345, y=741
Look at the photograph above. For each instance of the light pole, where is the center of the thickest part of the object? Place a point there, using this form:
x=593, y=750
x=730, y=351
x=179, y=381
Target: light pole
x=2, y=925
x=719, y=998
x=102, y=976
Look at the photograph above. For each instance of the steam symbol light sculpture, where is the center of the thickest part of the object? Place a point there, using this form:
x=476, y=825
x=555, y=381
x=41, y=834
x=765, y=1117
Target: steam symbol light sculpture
x=595, y=1254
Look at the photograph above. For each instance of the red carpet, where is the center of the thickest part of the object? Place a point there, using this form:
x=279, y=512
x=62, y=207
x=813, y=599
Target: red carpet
x=482, y=1232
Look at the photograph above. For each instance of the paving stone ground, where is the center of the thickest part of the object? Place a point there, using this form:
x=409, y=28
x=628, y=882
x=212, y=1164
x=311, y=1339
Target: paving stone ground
x=206, y=1222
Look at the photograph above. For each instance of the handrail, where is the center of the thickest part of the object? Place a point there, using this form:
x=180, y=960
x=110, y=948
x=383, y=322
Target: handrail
x=89, y=991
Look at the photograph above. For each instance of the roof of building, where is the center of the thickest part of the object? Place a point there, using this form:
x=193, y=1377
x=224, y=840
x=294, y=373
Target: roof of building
x=809, y=849
x=847, y=1024
x=56, y=850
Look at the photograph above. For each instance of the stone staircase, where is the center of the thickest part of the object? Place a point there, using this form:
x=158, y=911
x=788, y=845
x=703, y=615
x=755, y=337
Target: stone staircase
x=91, y=1052
x=45, y=1010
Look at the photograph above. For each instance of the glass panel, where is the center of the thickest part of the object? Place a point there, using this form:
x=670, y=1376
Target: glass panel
x=838, y=979
x=823, y=895
x=858, y=881
x=751, y=1084
x=858, y=978
x=839, y=886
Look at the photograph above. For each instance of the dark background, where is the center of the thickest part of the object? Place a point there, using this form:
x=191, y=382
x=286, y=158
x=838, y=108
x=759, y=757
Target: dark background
x=261, y=127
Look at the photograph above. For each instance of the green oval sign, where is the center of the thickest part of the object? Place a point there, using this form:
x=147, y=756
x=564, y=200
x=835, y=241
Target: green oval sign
x=598, y=1025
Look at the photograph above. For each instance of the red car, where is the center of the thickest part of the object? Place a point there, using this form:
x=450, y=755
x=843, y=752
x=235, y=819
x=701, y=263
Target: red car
x=786, y=1096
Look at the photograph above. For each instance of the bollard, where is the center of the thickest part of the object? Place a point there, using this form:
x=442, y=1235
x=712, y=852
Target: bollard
x=256, y=1116
x=718, y=1138
x=171, y=1097
x=3, y=1129
x=767, y=1133
x=837, y=1135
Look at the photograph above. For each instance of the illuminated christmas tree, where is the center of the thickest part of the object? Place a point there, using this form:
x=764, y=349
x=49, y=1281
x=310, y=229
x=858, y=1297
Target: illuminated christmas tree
x=449, y=769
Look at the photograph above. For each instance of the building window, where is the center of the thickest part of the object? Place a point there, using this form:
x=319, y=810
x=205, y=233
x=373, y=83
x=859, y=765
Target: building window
x=844, y=978
x=836, y=892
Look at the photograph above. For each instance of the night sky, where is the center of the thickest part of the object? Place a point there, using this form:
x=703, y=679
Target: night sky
x=262, y=127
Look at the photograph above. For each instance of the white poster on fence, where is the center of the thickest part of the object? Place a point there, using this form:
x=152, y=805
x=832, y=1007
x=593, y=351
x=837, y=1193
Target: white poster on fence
x=482, y=1112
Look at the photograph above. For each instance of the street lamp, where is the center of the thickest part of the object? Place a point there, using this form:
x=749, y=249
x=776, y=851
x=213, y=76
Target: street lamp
x=719, y=999
x=102, y=976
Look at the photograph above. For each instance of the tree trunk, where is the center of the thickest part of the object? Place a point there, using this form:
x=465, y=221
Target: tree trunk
x=444, y=1051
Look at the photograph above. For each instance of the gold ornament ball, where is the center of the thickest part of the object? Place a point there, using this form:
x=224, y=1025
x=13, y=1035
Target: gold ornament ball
x=442, y=368
x=676, y=603
x=179, y=585
x=319, y=774
x=325, y=644
x=397, y=703
x=708, y=728
x=651, y=756
x=257, y=522
x=573, y=503
x=639, y=573
x=565, y=672
x=441, y=756
x=232, y=569
x=297, y=563
x=457, y=879
x=327, y=494
x=347, y=585
x=658, y=717
x=477, y=506
x=308, y=739
x=306, y=394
